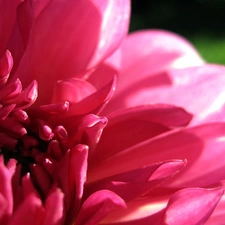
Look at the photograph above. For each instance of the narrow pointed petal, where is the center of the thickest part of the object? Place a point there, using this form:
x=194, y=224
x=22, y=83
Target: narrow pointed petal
x=138, y=182
x=202, y=146
x=78, y=168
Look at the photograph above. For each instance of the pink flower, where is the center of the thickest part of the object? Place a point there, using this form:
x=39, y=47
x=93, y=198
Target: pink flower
x=61, y=161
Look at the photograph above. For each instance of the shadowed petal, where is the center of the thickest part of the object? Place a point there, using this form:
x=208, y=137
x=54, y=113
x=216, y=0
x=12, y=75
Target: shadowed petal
x=97, y=206
x=202, y=146
x=138, y=182
x=180, y=88
x=148, y=121
x=54, y=208
x=31, y=209
x=64, y=56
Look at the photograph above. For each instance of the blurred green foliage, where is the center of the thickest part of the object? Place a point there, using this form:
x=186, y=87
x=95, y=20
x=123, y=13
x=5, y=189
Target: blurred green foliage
x=200, y=21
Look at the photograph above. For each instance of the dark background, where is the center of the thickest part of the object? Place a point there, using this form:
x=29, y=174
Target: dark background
x=200, y=21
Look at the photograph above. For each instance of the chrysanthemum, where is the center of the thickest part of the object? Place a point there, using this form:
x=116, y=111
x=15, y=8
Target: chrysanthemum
x=62, y=161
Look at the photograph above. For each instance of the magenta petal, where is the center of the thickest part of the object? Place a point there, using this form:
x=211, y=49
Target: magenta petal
x=89, y=131
x=72, y=90
x=139, y=181
x=93, y=104
x=42, y=178
x=6, y=63
x=31, y=209
x=202, y=146
x=145, y=53
x=6, y=24
x=206, y=82
x=68, y=55
x=6, y=188
x=97, y=206
x=61, y=177
x=192, y=206
x=218, y=216
x=54, y=208
x=149, y=121
x=78, y=168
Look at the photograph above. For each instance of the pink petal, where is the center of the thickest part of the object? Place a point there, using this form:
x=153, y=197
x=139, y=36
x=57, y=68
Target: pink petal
x=54, y=208
x=68, y=49
x=6, y=64
x=141, y=211
x=30, y=212
x=202, y=146
x=201, y=88
x=97, y=206
x=61, y=177
x=28, y=187
x=138, y=182
x=161, y=48
x=72, y=90
x=26, y=97
x=218, y=216
x=42, y=178
x=78, y=168
x=93, y=104
x=6, y=173
x=192, y=206
x=6, y=23
x=77, y=178
x=89, y=131
x=148, y=121
x=145, y=53
x=10, y=91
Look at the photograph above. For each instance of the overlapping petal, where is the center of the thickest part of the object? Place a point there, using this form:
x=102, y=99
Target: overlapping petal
x=148, y=121
x=180, y=87
x=82, y=49
x=202, y=146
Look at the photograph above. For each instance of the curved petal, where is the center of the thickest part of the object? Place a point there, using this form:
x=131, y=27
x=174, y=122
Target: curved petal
x=200, y=90
x=6, y=64
x=97, y=206
x=218, y=216
x=148, y=121
x=188, y=206
x=147, y=52
x=72, y=90
x=138, y=182
x=202, y=146
x=68, y=50
x=191, y=206
x=89, y=131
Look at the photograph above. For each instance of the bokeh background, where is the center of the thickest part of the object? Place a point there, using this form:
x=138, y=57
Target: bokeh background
x=201, y=21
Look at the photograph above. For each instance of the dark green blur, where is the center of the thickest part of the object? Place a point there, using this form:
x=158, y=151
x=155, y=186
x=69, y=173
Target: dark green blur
x=200, y=21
